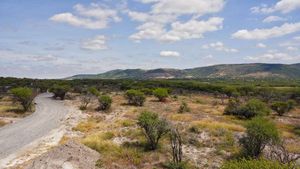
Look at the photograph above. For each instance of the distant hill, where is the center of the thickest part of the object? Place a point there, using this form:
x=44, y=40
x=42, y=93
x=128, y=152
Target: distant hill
x=253, y=70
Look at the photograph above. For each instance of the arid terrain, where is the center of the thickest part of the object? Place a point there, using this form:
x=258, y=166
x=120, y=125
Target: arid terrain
x=209, y=136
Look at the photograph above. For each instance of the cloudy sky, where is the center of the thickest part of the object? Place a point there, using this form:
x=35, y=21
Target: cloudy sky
x=55, y=38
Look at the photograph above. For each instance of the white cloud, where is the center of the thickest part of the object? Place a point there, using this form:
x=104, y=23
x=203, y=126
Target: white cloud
x=272, y=56
x=96, y=43
x=291, y=48
x=162, y=21
x=169, y=54
x=297, y=38
x=273, y=19
x=92, y=17
x=219, y=46
x=178, y=31
x=283, y=6
x=261, y=45
x=180, y=7
x=260, y=34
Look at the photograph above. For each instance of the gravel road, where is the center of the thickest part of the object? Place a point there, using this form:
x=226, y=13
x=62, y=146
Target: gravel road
x=48, y=115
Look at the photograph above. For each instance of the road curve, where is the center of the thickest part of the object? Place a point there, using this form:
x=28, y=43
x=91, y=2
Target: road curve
x=48, y=115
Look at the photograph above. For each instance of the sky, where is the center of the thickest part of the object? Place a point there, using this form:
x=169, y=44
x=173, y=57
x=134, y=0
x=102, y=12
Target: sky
x=60, y=38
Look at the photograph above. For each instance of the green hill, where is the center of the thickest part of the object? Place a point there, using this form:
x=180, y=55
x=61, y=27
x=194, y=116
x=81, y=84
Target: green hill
x=253, y=70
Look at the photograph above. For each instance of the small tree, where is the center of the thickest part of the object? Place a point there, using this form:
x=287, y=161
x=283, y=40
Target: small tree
x=87, y=97
x=105, y=102
x=184, y=108
x=135, y=97
x=154, y=128
x=280, y=107
x=24, y=95
x=161, y=94
x=260, y=132
x=60, y=91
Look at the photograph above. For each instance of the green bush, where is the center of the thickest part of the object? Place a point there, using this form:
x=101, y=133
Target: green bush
x=260, y=132
x=59, y=91
x=135, y=97
x=254, y=164
x=93, y=91
x=154, y=128
x=281, y=107
x=184, y=108
x=161, y=94
x=105, y=102
x=147, y=91
x=248, y=110
x=24, y=95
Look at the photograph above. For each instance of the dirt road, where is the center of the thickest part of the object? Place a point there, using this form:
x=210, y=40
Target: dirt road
x=48, y=115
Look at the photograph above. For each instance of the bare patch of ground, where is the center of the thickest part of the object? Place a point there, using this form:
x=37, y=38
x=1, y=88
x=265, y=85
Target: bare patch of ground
x=71, y=155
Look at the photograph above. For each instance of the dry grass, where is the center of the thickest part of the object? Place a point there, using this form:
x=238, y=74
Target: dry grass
x=182, y=117
x=212, y=125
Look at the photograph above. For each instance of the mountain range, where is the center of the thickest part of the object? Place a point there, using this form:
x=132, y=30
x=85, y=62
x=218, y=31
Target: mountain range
x=252, y=70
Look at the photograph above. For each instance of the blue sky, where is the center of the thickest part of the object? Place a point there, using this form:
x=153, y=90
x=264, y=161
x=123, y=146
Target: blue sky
x=54, y=39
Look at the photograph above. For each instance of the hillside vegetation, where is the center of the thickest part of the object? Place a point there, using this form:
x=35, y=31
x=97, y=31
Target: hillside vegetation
x=255, y=70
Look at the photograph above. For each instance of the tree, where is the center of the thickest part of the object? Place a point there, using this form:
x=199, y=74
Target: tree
x=161, y=94
x=135, y=97
x=24, y=95
x=260, y=132
x=59, y=91
x=281, y=107
x=87, y=97
x=154, y=128
x=105, y=102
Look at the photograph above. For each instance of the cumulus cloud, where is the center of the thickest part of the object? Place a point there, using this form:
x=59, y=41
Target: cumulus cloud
x=219, y=46
x=162, y=21
x=260, y=34
x=96, y=43
x=261, y=45
x=283, y=6
x=179, y=31
x=169, y=54
x=91, y=17
x=273, y=19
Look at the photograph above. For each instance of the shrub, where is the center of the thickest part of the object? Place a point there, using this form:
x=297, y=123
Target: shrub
x=88, y=96
x=260, y=132
x=161, y=94
x=281, y=107
x=232, y=107
x=24, y=95
x=147, y=91
x=154, y=128
x=93, y=91
x=253, y=164
x=254, y=108
x=105, y=102
x=135, y=97
x=249, y=110
x=183, y=108
x=60, y=91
